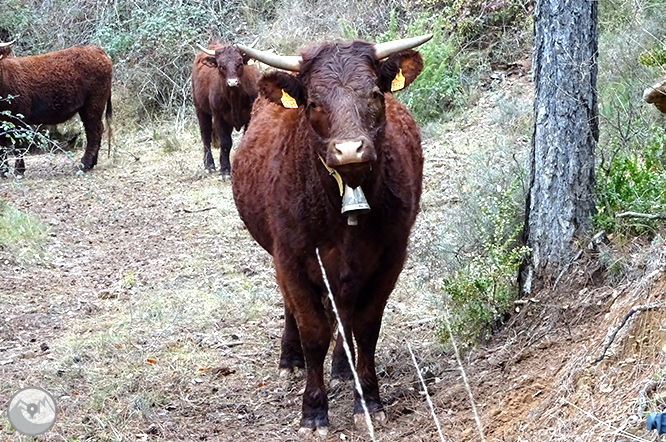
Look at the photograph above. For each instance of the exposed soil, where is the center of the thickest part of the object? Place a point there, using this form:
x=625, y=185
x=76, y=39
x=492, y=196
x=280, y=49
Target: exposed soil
x=152, y=315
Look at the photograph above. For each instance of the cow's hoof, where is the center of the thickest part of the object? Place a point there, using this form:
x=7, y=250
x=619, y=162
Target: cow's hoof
x=338, y=384
x=209, y=169
x=378, y=418
x=289, y=372
x=309, y=434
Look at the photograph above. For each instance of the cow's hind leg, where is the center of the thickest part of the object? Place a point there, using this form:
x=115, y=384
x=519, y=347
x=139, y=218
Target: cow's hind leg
x=291, y=352
x=340, y=368
x=223, y=131
x=4, y=162
x=94, y=127
x=206, y=131
x=19, y=167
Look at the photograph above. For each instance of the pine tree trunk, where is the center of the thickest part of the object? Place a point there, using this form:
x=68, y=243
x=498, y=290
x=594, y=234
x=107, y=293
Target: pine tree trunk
x=560, y=202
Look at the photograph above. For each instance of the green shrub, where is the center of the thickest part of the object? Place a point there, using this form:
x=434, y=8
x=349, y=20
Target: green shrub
x=481, y=292
x=437, y=89
x=634, y=181
x=16, y=137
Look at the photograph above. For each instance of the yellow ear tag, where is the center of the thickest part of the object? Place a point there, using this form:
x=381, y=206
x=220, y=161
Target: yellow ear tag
x=398, y=82
x=288, y=101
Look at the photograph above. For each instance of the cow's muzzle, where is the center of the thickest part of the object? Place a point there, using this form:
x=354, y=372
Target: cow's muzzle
x=343, y=152
x=233, y=82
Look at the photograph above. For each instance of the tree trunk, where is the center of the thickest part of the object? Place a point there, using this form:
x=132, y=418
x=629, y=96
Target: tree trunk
x=560, y=202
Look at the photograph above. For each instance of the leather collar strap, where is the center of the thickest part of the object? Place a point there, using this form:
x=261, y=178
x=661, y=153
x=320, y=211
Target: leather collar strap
x=334, y=173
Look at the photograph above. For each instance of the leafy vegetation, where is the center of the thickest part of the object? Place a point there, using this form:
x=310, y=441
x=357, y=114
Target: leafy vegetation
x=482, y=291
x=630, y=174
x=634, y=181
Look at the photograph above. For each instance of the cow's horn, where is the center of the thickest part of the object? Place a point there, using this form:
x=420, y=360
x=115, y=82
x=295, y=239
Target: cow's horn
x=4, y=45
x=383, y=50
x=207, y=51
x=286, y=62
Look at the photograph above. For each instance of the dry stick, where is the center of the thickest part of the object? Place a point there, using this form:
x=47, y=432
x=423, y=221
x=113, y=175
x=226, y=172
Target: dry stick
x=641, y=215
x=341, y=330
x=479, y=426
x=186, y=210
x=425, y=388
x=633, y=310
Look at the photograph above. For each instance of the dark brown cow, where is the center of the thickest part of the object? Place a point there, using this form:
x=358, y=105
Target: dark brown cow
x=343, y=125
x=224, y=86
x=51, y=88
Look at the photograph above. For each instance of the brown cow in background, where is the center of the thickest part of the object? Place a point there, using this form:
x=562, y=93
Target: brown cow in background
x=224, y=86
x=656, y=94
x=333, y=129
x=51, y=88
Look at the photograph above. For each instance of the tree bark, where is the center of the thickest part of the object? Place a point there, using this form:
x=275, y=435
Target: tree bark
x=560, y=202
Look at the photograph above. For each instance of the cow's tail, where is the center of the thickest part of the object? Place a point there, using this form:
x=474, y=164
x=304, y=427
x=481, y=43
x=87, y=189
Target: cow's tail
x=109, y=123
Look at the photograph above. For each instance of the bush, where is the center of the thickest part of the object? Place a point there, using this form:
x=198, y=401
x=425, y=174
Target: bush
x=481, y=292
x=17, y=138
x=437, y=89
x=634, y=181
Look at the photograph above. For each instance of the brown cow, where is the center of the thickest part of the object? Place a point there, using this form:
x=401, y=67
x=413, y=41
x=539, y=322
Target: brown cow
x=224, y=86
x=51, y=88
x=334, y=125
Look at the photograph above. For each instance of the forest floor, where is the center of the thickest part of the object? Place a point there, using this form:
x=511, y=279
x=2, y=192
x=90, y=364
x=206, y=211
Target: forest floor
x=150, y=314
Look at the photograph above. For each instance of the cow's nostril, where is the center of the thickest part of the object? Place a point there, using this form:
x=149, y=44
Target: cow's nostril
x=349, y=147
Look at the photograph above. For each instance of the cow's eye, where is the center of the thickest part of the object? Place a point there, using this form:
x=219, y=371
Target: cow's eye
x=376, y=94
x=318, y=119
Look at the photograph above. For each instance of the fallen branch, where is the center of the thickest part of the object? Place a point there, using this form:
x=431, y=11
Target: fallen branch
x=198, y=210
x=633, y=310
x=641, y=215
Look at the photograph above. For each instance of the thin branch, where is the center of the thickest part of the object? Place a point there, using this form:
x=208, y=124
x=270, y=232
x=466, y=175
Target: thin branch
x=641, y=215
x=425, y=389
x=633, y=310
x=350, y=358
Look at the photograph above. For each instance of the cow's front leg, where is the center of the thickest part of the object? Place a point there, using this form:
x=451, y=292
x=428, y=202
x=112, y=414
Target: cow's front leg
x=315, y=338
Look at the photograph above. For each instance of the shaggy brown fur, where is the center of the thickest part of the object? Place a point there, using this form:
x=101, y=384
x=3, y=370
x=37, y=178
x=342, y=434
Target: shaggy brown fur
x=291, y=205
x=51, y=88
x=223, y=89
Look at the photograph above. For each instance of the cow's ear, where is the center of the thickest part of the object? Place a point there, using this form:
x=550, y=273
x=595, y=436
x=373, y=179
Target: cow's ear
x=399, y=70
x=247, y=59
x=209, y=61
x=282, y=88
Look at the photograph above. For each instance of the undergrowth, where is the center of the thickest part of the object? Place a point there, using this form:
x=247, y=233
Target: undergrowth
x=634, y=181
x=482, y=290
x=22, y=236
